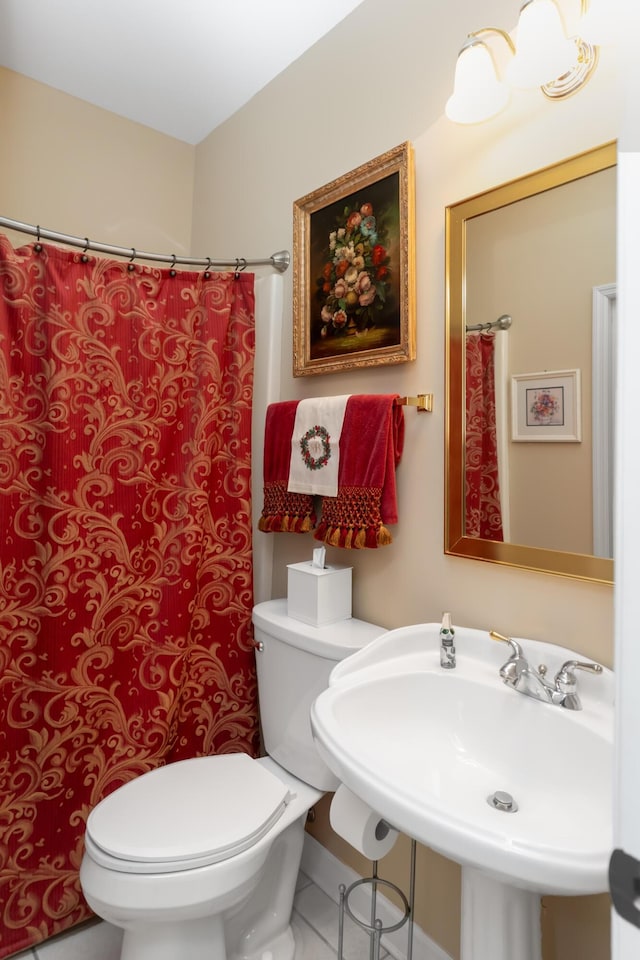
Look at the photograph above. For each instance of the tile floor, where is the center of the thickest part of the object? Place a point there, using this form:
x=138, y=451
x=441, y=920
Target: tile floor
x=315, y=926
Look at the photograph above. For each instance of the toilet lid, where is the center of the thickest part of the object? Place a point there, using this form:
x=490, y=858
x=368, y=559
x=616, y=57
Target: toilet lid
x=205, y=809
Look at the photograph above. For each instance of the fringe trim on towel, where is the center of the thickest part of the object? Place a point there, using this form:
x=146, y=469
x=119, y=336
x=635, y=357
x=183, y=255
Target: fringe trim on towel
x=286, y=512
x=352, y=519
x=351, y=538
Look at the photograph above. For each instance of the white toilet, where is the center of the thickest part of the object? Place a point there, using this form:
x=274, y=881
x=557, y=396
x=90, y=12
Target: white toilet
x=198, y=860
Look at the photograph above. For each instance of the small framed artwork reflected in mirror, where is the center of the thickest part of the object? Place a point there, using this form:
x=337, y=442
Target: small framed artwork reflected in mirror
x=545, y=407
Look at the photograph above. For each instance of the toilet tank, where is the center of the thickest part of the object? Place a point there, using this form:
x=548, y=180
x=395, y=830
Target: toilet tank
x=293, y=664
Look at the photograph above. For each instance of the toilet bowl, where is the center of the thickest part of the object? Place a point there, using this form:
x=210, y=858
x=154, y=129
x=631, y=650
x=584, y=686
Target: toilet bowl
x=199, y=859
x=178, y=906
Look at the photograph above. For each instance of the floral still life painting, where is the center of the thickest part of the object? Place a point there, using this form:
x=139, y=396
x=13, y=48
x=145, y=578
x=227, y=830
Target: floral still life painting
x=356, y=281
x=545, y=406
x=353, y=270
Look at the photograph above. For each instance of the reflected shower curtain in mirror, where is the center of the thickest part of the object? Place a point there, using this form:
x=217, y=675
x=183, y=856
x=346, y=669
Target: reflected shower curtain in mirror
x=483, y=517
x=125, y=558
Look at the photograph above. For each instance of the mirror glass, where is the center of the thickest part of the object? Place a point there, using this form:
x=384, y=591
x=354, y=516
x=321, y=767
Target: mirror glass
x=531, y=307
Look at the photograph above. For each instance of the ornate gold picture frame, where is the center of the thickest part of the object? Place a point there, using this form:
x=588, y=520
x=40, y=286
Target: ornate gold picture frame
x=354, y=276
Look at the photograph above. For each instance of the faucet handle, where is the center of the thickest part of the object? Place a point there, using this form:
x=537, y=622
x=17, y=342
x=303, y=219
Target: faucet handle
x=512, y=670
x=516, y=649
x=565, y=678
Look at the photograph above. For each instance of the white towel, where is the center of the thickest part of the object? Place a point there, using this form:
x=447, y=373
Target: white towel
x=315, y=446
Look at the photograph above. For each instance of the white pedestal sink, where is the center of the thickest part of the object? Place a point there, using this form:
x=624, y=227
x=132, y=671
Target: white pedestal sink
x=427, y=748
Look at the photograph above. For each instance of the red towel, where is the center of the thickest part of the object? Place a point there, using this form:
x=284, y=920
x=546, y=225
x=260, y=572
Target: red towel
x=370, y=449
x=282, y=511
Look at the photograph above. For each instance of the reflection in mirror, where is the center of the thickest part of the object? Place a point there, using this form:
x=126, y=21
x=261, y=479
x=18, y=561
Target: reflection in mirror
x=530, y=329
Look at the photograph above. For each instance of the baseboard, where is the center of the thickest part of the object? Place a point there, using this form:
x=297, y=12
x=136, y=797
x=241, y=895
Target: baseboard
x=327, y=872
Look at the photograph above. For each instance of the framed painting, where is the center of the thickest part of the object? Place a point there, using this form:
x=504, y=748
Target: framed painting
x=353, y=269
x=546, y=406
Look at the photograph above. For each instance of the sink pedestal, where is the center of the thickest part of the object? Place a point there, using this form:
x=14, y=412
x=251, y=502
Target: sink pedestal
x=499, y=922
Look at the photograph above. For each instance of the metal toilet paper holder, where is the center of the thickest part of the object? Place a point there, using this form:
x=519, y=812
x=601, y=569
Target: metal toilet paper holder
x=374, y=926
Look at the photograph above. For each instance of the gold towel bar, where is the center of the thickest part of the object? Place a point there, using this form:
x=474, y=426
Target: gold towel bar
x=424, y=402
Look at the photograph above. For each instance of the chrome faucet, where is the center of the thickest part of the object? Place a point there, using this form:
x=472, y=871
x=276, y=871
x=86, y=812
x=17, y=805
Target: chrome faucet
x=519, y=674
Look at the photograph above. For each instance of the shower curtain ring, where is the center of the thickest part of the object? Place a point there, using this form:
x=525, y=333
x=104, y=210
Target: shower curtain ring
x=37, y=246
x=131, y=265
x=172, y=271
x=207, y=269
x=84, y=257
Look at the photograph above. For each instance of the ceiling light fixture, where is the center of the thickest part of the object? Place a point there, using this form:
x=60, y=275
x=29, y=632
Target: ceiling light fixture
x=544, y=57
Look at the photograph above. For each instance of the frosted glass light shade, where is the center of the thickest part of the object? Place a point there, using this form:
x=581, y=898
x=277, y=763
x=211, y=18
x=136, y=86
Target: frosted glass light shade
x=543, y=52
x=477, y=92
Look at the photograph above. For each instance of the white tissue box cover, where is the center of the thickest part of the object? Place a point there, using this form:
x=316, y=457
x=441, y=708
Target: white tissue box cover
x=319, y=595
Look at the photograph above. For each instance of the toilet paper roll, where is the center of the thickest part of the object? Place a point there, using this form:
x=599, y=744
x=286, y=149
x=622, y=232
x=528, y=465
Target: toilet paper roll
x=360, y=826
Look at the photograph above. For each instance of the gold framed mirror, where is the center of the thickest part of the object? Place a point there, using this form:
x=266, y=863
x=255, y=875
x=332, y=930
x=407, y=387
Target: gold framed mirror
x=529, y=261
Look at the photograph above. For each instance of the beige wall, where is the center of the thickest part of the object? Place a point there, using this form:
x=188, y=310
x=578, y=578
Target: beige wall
x=304, y=130
x=325, y=115
x=80, y=170
x=538, y=261
x=379, y=79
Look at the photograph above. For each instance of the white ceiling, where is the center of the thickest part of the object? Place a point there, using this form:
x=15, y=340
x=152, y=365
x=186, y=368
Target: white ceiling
x=179, y=66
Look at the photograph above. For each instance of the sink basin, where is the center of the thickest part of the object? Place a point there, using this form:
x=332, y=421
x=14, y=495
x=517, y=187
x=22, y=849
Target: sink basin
x=426, y=748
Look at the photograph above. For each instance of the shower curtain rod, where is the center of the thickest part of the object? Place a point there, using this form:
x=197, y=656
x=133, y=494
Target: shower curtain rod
x=503, y=323
x=280, y=260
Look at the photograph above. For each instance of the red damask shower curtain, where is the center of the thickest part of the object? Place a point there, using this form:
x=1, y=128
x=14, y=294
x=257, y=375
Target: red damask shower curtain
x=483, y=515
x=125, y=551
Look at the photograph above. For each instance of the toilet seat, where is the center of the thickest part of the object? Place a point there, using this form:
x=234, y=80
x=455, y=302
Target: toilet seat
x=188, y=814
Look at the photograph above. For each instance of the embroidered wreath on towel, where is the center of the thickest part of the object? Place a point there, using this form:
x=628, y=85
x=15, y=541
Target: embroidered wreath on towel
x=315, y=448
